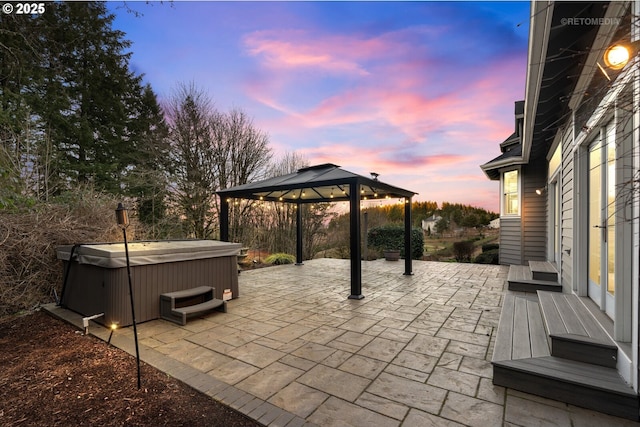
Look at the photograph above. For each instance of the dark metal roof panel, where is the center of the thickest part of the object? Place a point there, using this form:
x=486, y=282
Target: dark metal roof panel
x=327, y=182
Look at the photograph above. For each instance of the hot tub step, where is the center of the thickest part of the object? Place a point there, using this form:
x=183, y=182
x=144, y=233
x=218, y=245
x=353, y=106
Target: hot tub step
x=178, y=306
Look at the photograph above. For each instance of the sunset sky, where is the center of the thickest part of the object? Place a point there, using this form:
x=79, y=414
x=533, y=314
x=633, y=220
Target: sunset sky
x=420, y=92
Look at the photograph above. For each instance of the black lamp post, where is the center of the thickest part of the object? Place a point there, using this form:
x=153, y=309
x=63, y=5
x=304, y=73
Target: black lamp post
x=122, y=217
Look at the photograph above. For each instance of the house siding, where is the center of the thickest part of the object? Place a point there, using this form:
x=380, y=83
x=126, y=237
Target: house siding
x=566, y=212
x=627, y=149
x=510, y=241
x=534, y=222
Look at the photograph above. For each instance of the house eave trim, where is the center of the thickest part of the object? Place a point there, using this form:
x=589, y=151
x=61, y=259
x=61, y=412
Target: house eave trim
x=542, y=14
x=496, y=166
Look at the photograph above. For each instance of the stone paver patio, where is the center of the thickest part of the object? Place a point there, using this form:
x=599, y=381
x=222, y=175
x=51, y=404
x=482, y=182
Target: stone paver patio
x=294, y=351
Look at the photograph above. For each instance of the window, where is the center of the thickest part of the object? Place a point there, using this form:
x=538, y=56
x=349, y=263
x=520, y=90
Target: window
x=511, y=201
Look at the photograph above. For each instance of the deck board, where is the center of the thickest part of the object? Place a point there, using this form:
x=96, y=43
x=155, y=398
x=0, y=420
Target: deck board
x=521, y=342
x=568, y=315
x=591, y=326
x=543, y=270
x=571, y=382
x=538, y=336
x=503, y=345
x=520, y=278
x=578, y=370
x=543, y=266
x=597, y=377
x=553, y=322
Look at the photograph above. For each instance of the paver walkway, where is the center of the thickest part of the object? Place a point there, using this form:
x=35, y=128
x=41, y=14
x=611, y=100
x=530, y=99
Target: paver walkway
x=294, y=351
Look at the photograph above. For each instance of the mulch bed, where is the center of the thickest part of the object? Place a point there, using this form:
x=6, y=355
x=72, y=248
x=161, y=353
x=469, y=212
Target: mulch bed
x=53, y=375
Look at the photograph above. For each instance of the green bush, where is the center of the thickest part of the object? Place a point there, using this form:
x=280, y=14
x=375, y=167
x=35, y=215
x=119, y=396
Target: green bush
x=488, y=257
x=462, y=251
x=280, y=258
x=417, y=243
x=392, y=237
x=490, y=246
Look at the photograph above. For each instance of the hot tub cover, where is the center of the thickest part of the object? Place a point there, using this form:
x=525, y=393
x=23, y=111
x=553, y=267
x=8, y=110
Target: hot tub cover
x=112, y=255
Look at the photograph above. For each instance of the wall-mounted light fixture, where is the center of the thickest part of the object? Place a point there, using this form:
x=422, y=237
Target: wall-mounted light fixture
x=540, y=191
x=618, y=55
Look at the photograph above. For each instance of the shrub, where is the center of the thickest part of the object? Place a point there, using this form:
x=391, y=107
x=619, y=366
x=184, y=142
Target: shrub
x=30, y=235
x=280, y=258
x=488, y=257
x=490, y=246
x=417, y=243
x=392, y=237
x=463, y=250
x=386, y=237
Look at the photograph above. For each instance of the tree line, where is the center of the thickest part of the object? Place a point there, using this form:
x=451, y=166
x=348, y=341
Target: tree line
x=459, y=215
x=456, y=214
x=73, y=114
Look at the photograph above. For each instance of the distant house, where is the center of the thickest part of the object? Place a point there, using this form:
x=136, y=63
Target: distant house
x=429, y=224
x=569, y=212
x=494, y=223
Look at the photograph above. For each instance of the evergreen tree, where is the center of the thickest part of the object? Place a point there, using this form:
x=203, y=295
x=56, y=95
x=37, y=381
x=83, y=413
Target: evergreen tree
x=70, y=106
x=20, y=47
x=99, y=91
x=146, y=178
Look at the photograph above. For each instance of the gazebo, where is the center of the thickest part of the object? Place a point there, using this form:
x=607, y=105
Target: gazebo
x=324, y=183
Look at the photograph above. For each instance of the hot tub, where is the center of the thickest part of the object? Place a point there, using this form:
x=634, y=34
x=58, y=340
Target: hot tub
x=97, y=280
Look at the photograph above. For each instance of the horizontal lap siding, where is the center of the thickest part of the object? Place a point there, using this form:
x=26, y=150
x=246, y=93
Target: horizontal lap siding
x=510, y=241
x=534, y=207
x=567, y=214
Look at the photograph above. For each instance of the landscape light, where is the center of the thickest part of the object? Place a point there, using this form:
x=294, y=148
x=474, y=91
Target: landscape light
x=114, y=326
x=122, y=217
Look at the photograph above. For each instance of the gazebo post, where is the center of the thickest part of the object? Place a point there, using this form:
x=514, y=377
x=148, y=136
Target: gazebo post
x=408, y=262
x=354, y=232
x=299, y=234
x=224, y=219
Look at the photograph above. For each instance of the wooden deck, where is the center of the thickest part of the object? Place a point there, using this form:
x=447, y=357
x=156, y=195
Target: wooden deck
x=549, y=344
x=543, y=270
x=537, y=276
x=574, y=333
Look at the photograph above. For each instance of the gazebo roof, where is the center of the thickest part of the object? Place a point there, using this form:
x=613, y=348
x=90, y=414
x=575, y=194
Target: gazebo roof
x=320, y=183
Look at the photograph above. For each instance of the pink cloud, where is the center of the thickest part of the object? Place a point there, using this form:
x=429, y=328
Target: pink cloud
x=294, y=49
x=422, y=115
x=383, y=160
x=400, y=102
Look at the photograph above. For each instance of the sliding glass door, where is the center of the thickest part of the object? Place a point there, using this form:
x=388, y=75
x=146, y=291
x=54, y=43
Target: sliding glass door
x=602, y=161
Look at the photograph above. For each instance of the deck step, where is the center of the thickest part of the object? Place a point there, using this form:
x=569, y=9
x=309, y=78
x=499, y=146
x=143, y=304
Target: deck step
x=178, y=306
x=581, y=384
x=521, y=333
x=543, y=270
x=526, y=359
x=521, y=279
x=202, y=307
x=573, y=331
